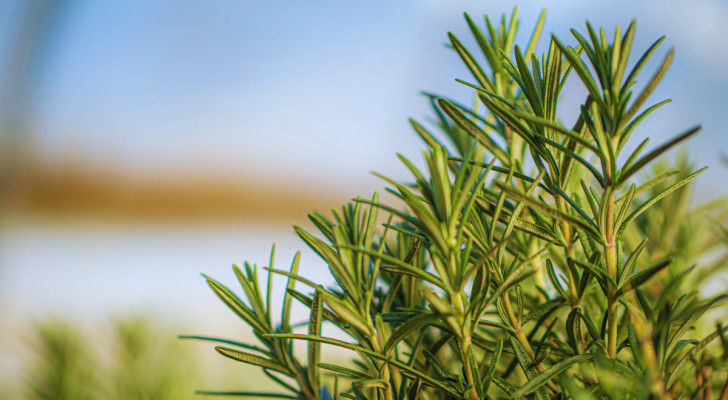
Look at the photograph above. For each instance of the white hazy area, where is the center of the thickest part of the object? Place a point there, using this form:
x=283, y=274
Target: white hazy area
x=311, y=96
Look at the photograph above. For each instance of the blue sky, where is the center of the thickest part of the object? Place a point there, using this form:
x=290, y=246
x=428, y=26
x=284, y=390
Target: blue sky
x=319, y=91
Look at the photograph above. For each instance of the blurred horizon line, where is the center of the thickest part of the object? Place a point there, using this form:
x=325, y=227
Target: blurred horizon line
x=88, y=188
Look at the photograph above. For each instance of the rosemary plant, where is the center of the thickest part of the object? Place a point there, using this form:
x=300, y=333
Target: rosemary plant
x=532, y=258
x=126, y=362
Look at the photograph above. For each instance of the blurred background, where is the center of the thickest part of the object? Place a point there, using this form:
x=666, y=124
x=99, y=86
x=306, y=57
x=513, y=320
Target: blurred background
x=142, y=143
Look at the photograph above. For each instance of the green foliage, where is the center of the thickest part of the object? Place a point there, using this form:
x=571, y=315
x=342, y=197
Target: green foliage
x=131, y=363
x=528, y=259
x=63, y=368
x=144, y=368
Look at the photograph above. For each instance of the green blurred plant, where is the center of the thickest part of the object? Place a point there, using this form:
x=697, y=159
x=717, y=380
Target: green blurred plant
x=64, y=365
x=145, y=367
x=529, y=259
x=131, y=363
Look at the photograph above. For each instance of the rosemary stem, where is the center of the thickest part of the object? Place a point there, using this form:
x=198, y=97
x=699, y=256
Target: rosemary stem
x=385, y=369
x=611, y=250
x=465, y=344
x=520, y=336
x=566, y=230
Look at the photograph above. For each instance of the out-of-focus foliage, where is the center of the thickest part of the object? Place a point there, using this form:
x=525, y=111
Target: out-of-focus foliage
x=527, y=260
x=146, y=365
x=131, y=360
x=692, y=235
x=64, y=365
